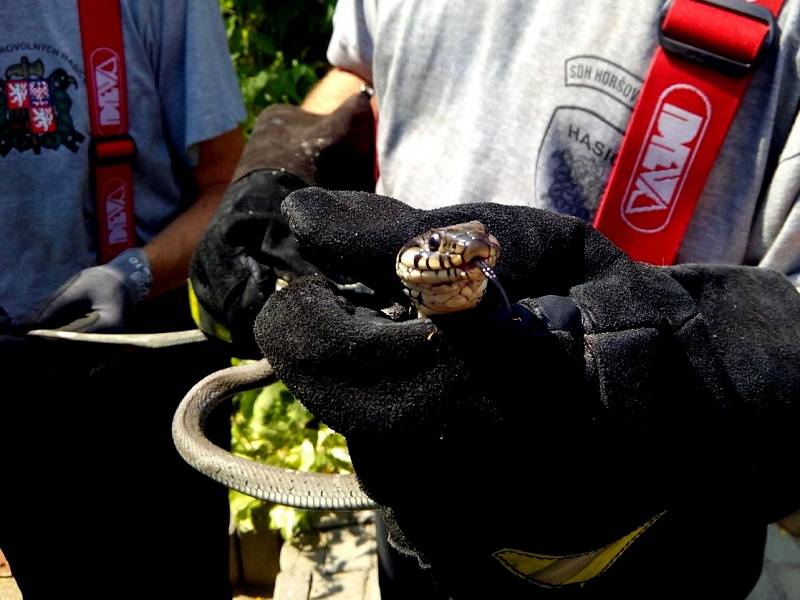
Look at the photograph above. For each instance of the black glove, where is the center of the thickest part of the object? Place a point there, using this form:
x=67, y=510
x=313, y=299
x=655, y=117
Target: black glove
x=248, y=247
x=618, y=390
x=5, y=320
x=98, y=299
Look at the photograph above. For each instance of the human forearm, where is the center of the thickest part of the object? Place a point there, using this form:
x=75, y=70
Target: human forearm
x=329, y=94
x=170, y=252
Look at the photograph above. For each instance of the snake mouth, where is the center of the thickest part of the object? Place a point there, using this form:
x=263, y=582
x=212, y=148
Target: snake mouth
x=445, y=270
x=437, y=269
x=459, y=258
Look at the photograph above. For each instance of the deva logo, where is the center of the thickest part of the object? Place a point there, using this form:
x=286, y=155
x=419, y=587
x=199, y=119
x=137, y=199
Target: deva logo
x=675, y=133
x=105, y=70
x=115, y=198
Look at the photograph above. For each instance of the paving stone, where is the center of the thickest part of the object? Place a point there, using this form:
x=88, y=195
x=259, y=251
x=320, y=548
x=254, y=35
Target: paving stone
x=302, y=558
x=349, y=585
x=780, y=578
x=338, y=562
x=293, y=585
x=350, y=549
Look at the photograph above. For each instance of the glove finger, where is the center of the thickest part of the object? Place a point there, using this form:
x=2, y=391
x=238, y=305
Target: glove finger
x=73, y=309
x=336, y=232
x=359, y=234
x=88, y=323
x=54, y=311
x=61, y=318
x=355, y=368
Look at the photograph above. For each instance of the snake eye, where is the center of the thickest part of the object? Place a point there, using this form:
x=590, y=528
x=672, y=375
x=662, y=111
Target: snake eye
x=434, y=241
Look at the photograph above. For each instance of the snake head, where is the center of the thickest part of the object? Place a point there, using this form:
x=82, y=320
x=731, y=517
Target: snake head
x=445, y=269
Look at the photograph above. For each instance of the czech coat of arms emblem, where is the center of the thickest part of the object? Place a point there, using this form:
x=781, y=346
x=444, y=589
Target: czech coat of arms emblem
x=34, y=109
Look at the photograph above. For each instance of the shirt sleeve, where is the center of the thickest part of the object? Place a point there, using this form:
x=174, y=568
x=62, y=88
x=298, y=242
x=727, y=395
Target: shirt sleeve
x=200, y=95
x=352, y=43
x=775, y=236
x=778, y=224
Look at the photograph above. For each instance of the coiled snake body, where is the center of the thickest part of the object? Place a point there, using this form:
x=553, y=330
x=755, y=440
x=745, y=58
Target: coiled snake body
x=443, y=270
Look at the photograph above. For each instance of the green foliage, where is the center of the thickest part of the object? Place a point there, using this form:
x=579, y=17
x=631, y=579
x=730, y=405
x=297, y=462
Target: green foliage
x=278, y=48
x=270, y=426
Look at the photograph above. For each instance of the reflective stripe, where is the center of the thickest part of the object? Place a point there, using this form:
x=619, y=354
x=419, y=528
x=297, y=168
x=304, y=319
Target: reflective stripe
x=557, y=571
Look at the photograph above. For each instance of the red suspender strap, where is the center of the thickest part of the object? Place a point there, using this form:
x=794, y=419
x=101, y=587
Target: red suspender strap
x=698, y=77
x=112, y=150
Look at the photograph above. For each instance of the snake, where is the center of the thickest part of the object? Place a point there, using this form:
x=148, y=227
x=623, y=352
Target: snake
x=443, y=270
x=447, y=269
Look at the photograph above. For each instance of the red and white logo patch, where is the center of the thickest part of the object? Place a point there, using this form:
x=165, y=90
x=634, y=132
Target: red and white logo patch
x=673, y=137
x=105, y=70
x=33, y=95
x=17, y=94
x=115, y=194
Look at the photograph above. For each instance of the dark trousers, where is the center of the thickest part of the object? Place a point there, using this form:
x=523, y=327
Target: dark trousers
x=400, y=577
x=95, y=501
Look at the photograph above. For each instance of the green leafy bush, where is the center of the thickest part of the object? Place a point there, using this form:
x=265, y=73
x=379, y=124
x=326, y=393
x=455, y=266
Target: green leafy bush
x=270, y=426
x=278, y=48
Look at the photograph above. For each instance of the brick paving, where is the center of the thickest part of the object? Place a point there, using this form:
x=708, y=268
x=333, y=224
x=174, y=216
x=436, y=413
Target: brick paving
x=337, y=562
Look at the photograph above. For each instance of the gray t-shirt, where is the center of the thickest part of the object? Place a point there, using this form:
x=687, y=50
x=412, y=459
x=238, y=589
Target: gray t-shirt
x=181, y=88
x=526, y=102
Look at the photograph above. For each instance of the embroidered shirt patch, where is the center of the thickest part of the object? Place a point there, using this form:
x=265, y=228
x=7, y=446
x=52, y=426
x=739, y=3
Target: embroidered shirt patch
x=34, y=109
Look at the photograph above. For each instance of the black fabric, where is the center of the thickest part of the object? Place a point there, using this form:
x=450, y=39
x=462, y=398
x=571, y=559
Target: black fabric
x=94, y=496
x=399, y=575
x=245, y=249
x=668, y=393
x=5, y=320
x=247, y=246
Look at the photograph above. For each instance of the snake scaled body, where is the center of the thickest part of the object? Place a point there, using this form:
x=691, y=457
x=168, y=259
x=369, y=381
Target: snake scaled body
x=444, y=270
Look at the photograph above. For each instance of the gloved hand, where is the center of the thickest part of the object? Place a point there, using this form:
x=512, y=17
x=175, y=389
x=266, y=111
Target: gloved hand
x=5, y=320
x=247, y=247
x=607, y=365
x=97, y=299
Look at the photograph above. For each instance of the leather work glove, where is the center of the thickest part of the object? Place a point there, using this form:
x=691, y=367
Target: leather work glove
x=98, y=299
x=620, y=399
x=247, y=247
